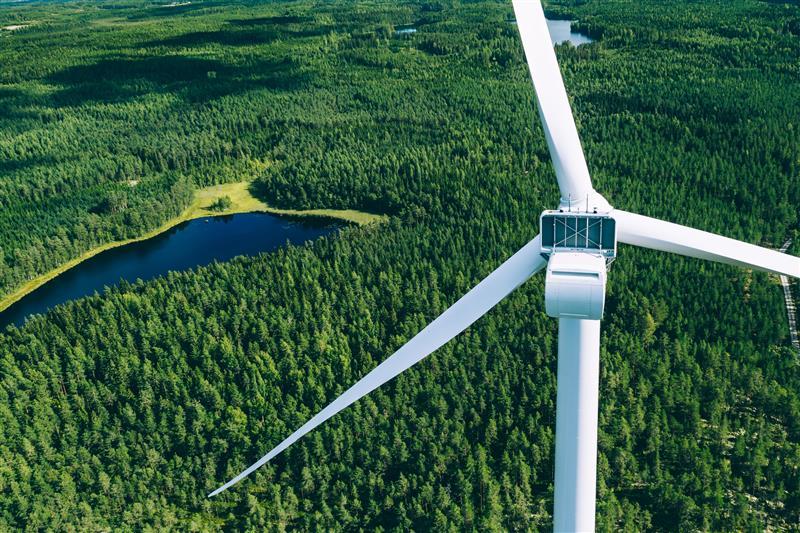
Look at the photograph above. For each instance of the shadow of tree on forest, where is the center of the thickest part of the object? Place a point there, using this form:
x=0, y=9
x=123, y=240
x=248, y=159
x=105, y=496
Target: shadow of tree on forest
x=123, y=78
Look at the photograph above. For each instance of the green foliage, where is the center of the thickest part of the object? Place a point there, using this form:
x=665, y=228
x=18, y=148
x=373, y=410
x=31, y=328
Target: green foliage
x=123, y=410
x=221, y=204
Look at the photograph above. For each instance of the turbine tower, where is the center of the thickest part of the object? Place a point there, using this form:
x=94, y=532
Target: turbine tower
x=576, y=243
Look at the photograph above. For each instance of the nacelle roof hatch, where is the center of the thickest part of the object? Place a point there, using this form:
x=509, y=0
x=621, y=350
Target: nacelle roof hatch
x=579, y=232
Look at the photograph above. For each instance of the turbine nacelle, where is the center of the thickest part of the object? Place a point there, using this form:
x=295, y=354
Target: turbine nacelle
x=575, y=286
x=578, y=245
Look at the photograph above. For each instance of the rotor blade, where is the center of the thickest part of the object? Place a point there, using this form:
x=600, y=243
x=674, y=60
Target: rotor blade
x=668, y=237
x=554, y=110
x=477, y=302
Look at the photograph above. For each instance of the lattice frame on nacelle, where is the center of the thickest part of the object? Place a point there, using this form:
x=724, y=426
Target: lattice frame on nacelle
x=579, y=232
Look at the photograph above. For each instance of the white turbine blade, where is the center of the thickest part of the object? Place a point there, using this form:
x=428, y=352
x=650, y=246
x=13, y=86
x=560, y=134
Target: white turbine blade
x=477, y=302
x=554, y=110
x=668, y=237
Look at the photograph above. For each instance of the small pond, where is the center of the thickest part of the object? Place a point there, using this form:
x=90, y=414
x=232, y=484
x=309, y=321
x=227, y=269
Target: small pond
x=561, y=32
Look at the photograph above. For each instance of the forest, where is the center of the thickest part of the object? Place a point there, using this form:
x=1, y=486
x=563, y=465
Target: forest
x=122, y=410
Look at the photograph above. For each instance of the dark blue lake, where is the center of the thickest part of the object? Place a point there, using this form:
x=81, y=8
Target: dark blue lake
x=193, y=243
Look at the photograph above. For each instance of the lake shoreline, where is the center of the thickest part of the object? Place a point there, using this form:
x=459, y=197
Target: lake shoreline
x=242, y=202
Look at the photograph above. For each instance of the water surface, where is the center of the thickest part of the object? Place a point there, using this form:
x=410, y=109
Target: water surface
x=190, y=244
x=561, y=32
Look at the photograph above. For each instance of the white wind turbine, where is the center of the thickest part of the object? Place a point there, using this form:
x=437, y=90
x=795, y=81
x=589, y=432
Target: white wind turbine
x=576, y=243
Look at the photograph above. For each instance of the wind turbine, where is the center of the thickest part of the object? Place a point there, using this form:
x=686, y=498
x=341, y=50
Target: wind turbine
x=576, y=243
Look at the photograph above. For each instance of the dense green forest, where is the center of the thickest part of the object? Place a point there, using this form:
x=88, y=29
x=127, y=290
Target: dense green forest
x=123, y=410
